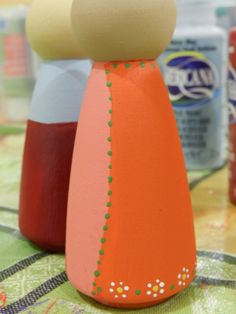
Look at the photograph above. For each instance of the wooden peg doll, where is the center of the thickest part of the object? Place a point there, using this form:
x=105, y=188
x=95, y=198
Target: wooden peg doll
x=130, y=235
x=52, y=124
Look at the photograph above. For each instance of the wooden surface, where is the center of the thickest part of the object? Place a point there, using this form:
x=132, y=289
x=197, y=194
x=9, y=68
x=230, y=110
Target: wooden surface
x=215, y=217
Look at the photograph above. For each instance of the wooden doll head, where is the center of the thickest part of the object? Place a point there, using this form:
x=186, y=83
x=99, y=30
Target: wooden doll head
x=117, y=30
x=50, y=32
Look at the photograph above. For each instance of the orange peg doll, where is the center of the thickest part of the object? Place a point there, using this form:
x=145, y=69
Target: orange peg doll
x=130, y=235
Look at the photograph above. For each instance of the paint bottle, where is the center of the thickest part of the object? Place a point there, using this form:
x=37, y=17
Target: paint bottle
x=226, y=13
x=52, y=124
x=232, y=119
x=16, y=64
x=195, y=71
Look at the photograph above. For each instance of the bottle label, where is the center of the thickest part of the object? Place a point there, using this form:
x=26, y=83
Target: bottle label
x=16, y=51
x=232, y=95
x=16, y=66
x=195, y=72
x=191, y=79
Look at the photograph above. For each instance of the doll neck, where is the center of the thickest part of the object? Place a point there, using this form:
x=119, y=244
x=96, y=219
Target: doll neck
x=126, y=64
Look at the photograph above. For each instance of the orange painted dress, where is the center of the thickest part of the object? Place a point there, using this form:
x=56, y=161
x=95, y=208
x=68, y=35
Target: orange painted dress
x=130, y=235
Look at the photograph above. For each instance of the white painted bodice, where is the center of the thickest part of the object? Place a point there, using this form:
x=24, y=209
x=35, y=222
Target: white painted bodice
x=59, y=91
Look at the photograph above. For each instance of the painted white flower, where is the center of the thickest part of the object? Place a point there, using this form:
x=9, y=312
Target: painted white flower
x=119, y=289
x=183, y=277
x=156, y=289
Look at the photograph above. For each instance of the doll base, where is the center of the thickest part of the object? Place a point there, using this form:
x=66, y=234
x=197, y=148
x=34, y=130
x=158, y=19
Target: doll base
x=127, y=305
x=49, y=247
x=135, y=306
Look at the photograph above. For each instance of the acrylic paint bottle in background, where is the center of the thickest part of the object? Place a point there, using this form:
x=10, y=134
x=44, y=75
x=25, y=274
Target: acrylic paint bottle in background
x=17, y=75
x=232, y=120
x=226, y=13
x=195, y=70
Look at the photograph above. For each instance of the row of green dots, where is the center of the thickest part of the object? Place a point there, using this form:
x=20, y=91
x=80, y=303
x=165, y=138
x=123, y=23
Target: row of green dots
x=98, y=290
x=109, y=153
x=127, y=66
x=109, y=204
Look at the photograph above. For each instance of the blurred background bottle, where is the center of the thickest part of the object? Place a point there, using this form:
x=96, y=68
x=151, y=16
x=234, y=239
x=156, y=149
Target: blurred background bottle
x=195, y=71
x=226, y=13
x=17, y=62
x=232, y=120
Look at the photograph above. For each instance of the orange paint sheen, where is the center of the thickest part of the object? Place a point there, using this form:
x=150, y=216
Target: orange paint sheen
x=148, y=249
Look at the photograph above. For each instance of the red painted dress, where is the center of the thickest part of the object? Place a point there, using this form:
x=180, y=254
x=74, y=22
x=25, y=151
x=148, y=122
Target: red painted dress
x=48, y=152
x=130, y=237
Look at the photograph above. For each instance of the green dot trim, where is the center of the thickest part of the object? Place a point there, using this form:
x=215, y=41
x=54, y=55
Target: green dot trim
x=93, y=293
x=115, y=65
x=101, y=252
x=110, y=179
x=97, y=273
x=103, y=240
x=142, y=64
x=138, y=292
x=127, y=65
x=107, y=216
x=172, y=287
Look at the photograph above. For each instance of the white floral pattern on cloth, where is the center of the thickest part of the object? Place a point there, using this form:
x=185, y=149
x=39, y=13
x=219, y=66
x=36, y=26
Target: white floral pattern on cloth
x=183, y=277
x=155, y=289
x=119, y=290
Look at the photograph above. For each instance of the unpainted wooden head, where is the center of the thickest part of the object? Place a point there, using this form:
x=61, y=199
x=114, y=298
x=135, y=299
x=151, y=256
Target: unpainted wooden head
x=50, y=31
x=113, y=30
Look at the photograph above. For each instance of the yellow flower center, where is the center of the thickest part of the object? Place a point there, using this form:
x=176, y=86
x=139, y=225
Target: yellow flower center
x=155, y=288
x=184, y=276
x=119, y=290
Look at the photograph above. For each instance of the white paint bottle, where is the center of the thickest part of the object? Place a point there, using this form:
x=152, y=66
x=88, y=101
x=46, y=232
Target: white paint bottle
x=195, y=71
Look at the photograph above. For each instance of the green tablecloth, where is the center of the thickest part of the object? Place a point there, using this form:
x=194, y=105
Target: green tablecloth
x=32, y=281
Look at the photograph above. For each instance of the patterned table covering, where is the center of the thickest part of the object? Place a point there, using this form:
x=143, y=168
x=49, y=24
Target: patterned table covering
x=33, y=281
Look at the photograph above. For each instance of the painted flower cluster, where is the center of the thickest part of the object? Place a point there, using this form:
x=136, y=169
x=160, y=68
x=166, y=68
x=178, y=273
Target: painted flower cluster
x=155, y=289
